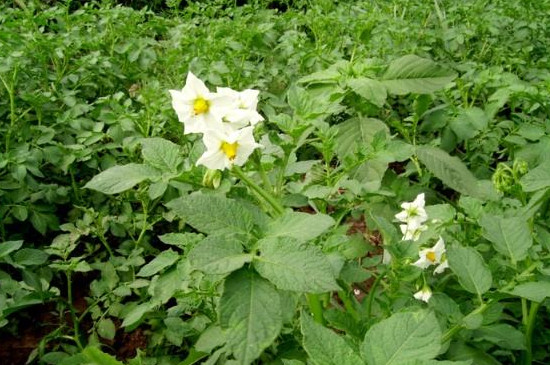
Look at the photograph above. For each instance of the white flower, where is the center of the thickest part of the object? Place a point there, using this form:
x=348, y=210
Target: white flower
x=197, y=108
x=441, y=267
x=424, y=294
x=431, y=256
x=225, y=149
x=243, y=111
x=412, y=230
x=413, y=211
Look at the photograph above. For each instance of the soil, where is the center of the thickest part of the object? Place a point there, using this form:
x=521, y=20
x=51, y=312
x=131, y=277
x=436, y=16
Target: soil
x=33, y=324
x=18, y=340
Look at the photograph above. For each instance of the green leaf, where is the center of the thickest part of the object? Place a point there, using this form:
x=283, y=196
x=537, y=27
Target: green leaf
x=135, y=315
x=292, y=362
x=183, y=240
x=536, y=291
x=161, y=154
x=461, y=351
x=9, y=246
x=120, y=178
x=372, y=90
x=167, y=284
x=98, y=357
x=510, y=236
x=176, y=330
x=250, y=314
x=106, y=328
x=403, y=337
x=293, y=266
x=325, y=347
x=330, y=75
x=218, y=255
x=30, y=256
x=503, y=335
x=300, y=226
x=538, y=178
x=54, y=358
x=157, y=189
x=193, y=357
x=210, y=338
x=162, y=261
x=213, y=214
x=435, y=362
x=469, y=122
x=355, y=133
x=449, y=169
x=473, y=274
x=412, y=74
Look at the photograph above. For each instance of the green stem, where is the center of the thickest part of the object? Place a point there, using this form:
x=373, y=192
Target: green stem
x=372, y=292
x=524, y=311
x=106, y=245
x=11, y=95
x=457, y=327
x=528, y=355
x=73, y=312
x=277, y=207
x=316, y=308
x=143, y=225
x=281, y=177
x=348, y=304
x=74, y=186
x=102, y=239
x=265, y=179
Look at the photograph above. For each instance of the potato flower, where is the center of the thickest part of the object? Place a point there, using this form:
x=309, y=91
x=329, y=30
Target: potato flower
x=412, y=230
x=198, y=108
x=433, y=256
x=243, y=112
x=413, y=215
x=424, y=294
x=226, y=148
x=413, y=211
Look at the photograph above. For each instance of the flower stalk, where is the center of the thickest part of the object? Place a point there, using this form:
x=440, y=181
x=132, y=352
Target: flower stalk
x=270, y=199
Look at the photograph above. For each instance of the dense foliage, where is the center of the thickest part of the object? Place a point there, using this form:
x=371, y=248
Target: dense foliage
x=399, y=138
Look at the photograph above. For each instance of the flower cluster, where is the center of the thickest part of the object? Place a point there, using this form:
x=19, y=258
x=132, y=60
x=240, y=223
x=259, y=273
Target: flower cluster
x=413, y=216
x=226, y=119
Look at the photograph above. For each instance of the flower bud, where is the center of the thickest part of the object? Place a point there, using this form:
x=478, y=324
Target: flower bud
x=212, y=178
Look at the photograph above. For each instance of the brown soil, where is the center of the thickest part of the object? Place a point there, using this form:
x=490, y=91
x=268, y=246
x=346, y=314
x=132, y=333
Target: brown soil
x=38, y=321
x=33, y=325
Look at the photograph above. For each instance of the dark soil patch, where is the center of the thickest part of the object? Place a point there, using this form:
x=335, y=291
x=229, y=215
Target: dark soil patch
x=32, y=326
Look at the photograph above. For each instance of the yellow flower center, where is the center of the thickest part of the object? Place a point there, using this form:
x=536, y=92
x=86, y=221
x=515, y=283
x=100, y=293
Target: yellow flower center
x=200, y=105
x=431, y=256
x=230, y=149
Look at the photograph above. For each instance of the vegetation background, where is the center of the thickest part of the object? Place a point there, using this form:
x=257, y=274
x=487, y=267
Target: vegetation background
x=84, y=82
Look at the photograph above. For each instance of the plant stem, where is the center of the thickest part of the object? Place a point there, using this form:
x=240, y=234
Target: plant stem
x=530, y=326
x=277, y=207
x=265, y=178
x=348, y=304
x=524, y=311
x=372, y=292
x=457, y=327
x=73, y=312
x=11, y=94
x=281, y=176
x=316, y=308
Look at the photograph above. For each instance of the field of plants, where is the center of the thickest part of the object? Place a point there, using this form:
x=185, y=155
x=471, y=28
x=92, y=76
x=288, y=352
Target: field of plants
x=282, y=182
